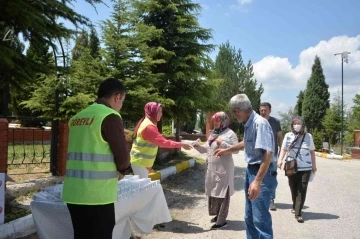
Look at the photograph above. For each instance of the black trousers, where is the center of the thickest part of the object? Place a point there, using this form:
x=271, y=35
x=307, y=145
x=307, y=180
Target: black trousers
x=92, y=221
x=298, y=185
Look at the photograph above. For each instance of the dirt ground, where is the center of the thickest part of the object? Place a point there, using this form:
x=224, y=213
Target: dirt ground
x=187, y=203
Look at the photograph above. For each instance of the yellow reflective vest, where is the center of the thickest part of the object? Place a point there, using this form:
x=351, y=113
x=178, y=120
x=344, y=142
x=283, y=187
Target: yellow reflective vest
x=143, y=153
x=91, y=174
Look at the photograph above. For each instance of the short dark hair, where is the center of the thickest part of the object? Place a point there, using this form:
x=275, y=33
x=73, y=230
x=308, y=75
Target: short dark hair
x=266, y=104
x=110, y=87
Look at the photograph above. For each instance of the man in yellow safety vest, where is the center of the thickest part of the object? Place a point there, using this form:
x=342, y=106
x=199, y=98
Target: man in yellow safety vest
x=97, y=158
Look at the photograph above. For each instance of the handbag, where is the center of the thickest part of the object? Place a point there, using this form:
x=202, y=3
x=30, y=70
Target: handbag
x=290, y=166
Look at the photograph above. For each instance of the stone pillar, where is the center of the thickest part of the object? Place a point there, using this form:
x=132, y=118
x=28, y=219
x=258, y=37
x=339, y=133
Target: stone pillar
x=62, y=147
x=4, y=127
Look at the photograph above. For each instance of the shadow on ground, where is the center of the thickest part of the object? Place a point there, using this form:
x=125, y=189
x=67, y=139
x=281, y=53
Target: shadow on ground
x=177, y=226
x=285, y=206
x=319, y=216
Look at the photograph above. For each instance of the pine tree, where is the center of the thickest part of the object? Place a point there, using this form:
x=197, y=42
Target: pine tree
x=353, y=120
x=316, y=97
x=94, y=43
x=79, y=88
x=126, y=55
x=332, y=120
x=286, y=119
x=298, y=107
x=237, y=77
x=9, y=78
x=81, y=43
x=40, y=53
x=36, y=22
x=180, y=50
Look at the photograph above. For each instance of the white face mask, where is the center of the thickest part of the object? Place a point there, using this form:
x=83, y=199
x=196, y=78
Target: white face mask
x=297, y=127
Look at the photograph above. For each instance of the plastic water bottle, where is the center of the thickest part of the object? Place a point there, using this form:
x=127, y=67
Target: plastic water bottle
x=196, y=142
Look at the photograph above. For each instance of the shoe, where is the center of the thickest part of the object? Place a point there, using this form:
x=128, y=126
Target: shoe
x=299, y=219
x=272, y=206
x=213, y=219
x=292, y=211
x=215, y=226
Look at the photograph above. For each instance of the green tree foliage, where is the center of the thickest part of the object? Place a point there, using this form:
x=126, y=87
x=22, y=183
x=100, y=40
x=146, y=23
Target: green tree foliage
x=8, y=78
x=180, y=47
x=94, y=43
x=77, y=89
x=19, y=94
x=318, y=139
x=126, y=55
x=316, y=97
x=237, y=76
x=332, y=120
x=299, y=103
x=286, y=119
x=81, y=43
x=353, y=122
x=37, y=22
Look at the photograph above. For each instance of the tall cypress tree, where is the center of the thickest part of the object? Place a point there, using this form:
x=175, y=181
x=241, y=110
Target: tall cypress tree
x=316, y=97
x=299, y=103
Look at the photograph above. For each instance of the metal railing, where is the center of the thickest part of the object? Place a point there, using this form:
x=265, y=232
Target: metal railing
x=29, y=149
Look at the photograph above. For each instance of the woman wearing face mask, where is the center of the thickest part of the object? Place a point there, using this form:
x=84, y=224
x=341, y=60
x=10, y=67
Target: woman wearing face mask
x=219, y=179
x=147, y=139
x=305, y=160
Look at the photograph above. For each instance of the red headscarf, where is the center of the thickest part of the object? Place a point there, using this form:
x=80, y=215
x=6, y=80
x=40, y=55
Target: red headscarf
x=151, y=110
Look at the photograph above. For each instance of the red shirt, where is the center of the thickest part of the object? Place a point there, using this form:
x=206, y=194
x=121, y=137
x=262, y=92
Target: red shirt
x=152, y=134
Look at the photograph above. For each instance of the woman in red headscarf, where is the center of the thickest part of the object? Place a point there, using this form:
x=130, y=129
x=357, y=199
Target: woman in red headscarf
x=147, y=139
x=219, y=180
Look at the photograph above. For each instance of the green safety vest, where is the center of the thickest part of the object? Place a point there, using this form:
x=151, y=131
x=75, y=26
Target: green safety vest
x=91, y=174
x=143, y=153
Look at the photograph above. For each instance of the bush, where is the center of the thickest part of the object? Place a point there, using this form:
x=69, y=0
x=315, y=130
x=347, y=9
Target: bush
x=166, y=131
x=318, y=139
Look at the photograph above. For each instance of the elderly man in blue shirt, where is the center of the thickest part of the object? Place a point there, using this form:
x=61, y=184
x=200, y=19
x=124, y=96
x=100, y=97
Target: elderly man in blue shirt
x=259, y=146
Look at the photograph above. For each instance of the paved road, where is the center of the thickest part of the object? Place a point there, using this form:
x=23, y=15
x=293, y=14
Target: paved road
x=332, y=207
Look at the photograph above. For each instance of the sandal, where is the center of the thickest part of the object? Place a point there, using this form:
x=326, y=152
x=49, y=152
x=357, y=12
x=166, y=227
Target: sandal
x=292, y=211
x=299, y=219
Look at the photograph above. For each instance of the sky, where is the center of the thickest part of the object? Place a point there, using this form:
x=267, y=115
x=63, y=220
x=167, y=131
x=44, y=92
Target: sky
x=282, y=38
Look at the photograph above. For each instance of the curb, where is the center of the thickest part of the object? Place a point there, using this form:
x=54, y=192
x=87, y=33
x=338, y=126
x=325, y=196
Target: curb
x=166, y=172
x=332, y=156
x=20, y=227
x=25, y=226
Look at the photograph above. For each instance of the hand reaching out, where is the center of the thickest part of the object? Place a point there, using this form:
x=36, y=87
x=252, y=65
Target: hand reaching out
x=186, y=146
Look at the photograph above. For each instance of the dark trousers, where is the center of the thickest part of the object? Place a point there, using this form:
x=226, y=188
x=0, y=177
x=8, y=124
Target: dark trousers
x=92, y=221
x=298, y=185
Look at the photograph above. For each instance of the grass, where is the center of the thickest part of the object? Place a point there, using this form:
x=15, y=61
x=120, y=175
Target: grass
x=23, y=198
x=12, y=213
x=28, y=159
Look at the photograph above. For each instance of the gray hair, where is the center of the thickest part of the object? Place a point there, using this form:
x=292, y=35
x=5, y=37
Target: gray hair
x=241, y=102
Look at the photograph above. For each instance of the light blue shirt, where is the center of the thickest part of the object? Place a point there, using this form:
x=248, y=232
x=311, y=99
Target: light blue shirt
x=258, y=139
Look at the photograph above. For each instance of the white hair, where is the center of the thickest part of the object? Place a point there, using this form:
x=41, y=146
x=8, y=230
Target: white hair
x=240, y=102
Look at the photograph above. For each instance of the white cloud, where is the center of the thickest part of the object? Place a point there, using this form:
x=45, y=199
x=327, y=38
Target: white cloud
x=205, y=6
x=239, y=6
x=278, y=73
x=242, y=2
